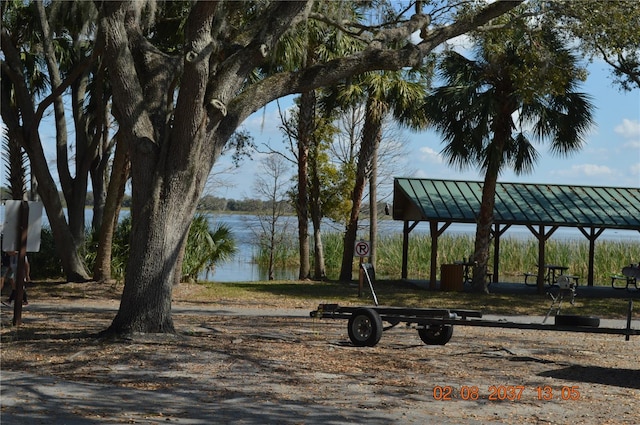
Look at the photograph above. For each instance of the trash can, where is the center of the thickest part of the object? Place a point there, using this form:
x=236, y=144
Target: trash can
x=451, y=277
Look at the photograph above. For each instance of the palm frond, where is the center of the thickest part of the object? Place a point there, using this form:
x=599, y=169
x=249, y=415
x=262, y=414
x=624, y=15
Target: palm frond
x=15, y=165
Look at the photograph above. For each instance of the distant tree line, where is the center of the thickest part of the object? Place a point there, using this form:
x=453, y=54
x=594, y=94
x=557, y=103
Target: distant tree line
x=206, y=203
x=214, y=203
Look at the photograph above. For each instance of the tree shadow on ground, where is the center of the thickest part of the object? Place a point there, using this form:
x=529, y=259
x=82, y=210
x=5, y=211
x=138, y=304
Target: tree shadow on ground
x=626, y=378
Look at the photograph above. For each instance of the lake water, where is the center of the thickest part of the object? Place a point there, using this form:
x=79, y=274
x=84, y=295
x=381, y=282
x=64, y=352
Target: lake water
x=242, y=268
x=245, y=229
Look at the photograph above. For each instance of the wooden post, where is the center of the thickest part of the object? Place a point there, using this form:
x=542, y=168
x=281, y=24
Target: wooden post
x=405, y=250
x=433, y=225
x=629, y=313
x=20, y=272
x=360, y=278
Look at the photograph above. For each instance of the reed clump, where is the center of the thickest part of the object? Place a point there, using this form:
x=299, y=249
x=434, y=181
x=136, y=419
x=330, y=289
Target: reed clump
x=517, y=256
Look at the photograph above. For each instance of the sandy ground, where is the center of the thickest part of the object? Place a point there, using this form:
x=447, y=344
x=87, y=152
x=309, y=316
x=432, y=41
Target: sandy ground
x=265, y=366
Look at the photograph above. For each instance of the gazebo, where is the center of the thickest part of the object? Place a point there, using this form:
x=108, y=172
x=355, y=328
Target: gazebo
x=542, y=208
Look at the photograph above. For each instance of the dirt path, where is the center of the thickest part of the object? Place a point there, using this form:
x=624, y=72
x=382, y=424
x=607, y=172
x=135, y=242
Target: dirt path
x=223, y=368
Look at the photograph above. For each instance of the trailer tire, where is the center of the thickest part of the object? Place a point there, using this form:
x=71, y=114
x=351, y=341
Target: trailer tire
x=573, y=320
x=436, y=334
x=365, y=327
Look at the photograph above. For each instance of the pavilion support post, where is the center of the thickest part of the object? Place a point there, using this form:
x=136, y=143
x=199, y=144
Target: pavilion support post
x=591, y=236
x=435, y=234
x=497, y=233
x=407, y=228
x=541, y=260
x=433, y=230
x=542, y=239
x=405, y=249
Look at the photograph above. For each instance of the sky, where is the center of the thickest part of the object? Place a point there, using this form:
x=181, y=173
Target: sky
x=610, y=156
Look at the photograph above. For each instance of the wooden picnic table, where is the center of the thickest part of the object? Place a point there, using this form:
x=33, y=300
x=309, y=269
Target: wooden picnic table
x=632, y=271
x=630, y=276
x=467, y=264
x=467, y=270
x=552, y=269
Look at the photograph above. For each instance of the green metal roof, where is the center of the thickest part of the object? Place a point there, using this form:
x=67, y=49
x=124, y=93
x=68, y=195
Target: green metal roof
x=518, y=203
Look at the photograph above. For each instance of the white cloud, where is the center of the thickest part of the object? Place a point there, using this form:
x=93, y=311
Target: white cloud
x=421, y=174
x=591, y=170
x=427, y=154
x=635, y=169
x=633, y=144
x=583, y=171
x=628, y=129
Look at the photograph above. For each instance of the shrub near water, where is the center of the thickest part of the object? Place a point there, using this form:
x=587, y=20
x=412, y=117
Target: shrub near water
x=516, y=256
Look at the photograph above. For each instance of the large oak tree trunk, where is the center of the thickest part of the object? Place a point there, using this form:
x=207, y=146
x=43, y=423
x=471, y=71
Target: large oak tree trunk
x=152, y=271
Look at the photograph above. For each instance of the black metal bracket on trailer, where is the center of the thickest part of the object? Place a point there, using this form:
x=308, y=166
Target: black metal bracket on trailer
x=435, y=326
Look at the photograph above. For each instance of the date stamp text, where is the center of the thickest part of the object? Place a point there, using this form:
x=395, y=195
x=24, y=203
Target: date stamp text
x=505, y=392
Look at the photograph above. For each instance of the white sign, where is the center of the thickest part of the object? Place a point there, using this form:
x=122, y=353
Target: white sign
x=362, y=249
x=11, y=227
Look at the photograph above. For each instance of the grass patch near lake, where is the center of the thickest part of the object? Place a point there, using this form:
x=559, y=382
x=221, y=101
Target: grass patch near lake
x=517, y=256
x=308, y=294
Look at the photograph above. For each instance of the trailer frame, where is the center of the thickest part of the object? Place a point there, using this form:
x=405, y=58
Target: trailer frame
x=435, y=325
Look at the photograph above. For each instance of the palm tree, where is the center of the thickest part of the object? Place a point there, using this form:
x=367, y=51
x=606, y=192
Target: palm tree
x=519, y=76
x=206, y=247
x=385, y=93
x=16, y=165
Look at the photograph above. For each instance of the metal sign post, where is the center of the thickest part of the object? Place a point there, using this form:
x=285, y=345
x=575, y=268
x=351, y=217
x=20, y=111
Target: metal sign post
x=361, y=249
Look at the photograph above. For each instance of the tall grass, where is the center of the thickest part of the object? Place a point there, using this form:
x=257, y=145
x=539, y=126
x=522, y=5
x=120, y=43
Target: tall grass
x=285, y=254
x=516, y=256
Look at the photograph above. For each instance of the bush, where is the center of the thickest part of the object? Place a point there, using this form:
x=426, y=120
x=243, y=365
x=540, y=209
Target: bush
x=120, y=248
x=206, y=247
x=46, y=263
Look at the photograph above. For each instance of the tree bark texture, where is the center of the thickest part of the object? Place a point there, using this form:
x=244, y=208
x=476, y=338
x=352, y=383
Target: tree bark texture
x=305, y=133
x=315, y=209
x=373, y=207
x=115, y=195
x=319, y=271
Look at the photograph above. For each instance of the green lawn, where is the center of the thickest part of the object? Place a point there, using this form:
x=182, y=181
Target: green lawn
x=394, y=293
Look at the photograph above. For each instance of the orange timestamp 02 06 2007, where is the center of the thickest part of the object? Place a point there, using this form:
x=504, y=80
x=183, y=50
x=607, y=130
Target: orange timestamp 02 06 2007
x=505, y=392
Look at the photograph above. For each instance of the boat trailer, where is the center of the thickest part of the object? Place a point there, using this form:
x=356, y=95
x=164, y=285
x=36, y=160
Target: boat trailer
x=435, y=326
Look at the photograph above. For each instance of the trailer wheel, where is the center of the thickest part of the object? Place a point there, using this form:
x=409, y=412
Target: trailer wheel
x=573, y=320
x=365, y=327
x=436, y=334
